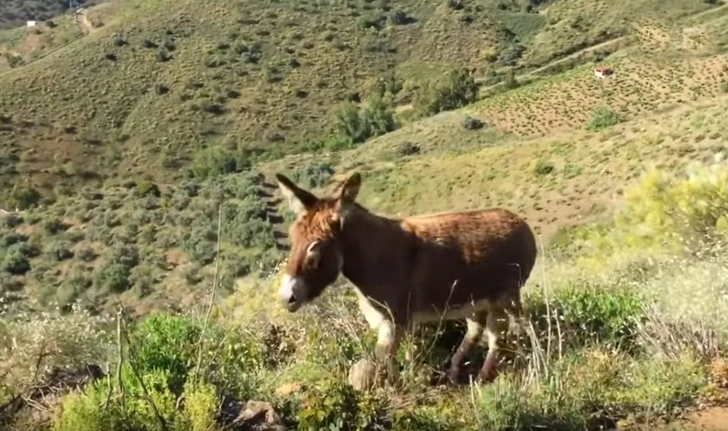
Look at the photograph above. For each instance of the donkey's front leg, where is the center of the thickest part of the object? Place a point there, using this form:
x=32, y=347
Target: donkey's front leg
x=389, y=336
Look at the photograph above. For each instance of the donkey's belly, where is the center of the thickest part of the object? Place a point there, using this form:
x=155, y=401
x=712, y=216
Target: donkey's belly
x=452, y=313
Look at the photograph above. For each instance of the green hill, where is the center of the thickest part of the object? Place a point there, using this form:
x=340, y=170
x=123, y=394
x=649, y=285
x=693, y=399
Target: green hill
x=162, y=84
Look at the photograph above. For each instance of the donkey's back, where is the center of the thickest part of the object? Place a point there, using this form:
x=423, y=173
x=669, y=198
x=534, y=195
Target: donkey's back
x=462, y=258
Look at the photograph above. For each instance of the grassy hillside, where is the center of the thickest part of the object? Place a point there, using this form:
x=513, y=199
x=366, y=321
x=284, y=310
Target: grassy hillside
x=140, y=157
x=153, y=241
x=167, y=88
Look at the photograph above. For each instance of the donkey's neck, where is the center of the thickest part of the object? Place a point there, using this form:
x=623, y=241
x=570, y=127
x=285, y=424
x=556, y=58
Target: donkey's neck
x=374, y=249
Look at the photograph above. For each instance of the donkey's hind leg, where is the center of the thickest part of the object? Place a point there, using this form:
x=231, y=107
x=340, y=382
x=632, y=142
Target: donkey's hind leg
x=495, y=326
x=476, y=325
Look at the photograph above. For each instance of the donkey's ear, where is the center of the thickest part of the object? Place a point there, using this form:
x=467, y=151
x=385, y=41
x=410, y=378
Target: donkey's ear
x=299, y=200
x=348, y=190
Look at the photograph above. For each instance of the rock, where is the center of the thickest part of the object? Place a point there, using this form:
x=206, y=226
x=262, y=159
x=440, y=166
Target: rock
x=363, y=375
x=259, y=416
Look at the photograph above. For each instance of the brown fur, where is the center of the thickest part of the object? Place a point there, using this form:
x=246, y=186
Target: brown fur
x=457, y=265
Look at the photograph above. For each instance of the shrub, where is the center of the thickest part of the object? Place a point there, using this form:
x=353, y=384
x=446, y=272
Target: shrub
x=201, y=407
x=377, y=118
x=688, y=212
x=603, y=117
x=610, y=315
x=53, y=226
x=336, y=405
x=367, y=22
x=85, y=411
x=146, y=188
x=570, y=393
x=456, y=89
x=543, y=168
x=71, y=289
x=113, y=277
x=510, y=54
x=400, y=17
x=351, y=124
x=14, y=261
x=60, y=251
x=167, y=343
x=25, y=197
x=216, y=161
x=313, y=175
x=60, y=340
x=408, y=149
x=379, y=115
x=724, y=87
x=471, y=123
x=163, y=56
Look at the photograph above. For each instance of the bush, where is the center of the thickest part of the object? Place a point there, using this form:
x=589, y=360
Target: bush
x=543, y=168
x=85, y=411
x=216, y=161
x=456, y=89
x=510, y=54
x=167, y=343
x=147, y=188
x=400, y=17
x=471, y=123
x=60, y=251
x=686, y=212
x=13, y=261
x=336, y=405
x=25, y=197
x=351, y=124
x=408, y=149
x=603, y=118
x=113, y=277
x=313, y=175
x=604, y=314
x=590, y=391
x=377, y=118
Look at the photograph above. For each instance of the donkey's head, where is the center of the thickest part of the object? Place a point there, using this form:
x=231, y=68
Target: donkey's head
x=315, y=260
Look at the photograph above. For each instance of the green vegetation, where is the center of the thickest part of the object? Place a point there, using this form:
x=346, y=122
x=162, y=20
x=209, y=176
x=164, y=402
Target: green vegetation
x=127, y=230
x=603, y=118
x=603, y=347
x=457, y=88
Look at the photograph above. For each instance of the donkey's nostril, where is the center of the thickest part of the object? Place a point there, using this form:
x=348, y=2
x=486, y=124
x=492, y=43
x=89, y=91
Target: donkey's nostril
x=292, y=299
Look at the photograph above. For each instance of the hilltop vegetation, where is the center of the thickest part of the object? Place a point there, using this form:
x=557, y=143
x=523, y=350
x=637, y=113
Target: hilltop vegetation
x=140, y=158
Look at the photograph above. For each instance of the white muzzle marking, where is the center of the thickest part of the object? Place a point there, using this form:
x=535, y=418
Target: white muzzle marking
x=292, y=291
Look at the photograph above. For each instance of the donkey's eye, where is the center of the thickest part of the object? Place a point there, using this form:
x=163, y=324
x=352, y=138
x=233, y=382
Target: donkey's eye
x=313, y=254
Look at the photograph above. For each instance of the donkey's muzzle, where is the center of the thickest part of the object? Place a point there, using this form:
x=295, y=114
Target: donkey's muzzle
x=292, y=292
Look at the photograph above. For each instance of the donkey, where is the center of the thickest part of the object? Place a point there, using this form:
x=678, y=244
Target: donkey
x=422, y=269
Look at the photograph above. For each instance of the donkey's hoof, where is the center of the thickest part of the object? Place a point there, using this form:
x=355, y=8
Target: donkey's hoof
x=455, y=376
x=487, y=375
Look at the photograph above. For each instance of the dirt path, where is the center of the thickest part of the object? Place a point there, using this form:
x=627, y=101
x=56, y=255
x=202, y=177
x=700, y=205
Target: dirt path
x=276, y=220
x=85, y=22
x=709, y=419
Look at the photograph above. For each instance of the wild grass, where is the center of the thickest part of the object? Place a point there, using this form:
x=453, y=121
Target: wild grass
x=632, y=341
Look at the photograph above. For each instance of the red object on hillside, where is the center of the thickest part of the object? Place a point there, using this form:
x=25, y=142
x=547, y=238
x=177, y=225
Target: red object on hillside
x=603, y=71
